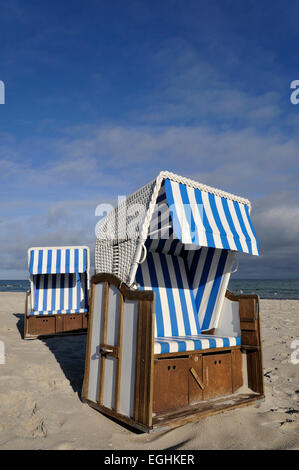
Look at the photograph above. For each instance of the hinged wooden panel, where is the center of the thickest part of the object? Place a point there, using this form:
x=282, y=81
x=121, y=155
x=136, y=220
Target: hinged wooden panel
x=72, y=322
x=170, y=384
x=217, y=375
x=41, y=325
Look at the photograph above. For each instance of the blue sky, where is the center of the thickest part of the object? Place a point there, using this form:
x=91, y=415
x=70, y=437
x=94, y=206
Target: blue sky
x=101, y=96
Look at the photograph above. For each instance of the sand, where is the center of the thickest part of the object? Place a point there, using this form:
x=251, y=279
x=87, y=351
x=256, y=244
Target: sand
x=41, y=380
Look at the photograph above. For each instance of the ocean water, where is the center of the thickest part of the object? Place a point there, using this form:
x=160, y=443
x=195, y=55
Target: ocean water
x=14, y=286
x=265, y=288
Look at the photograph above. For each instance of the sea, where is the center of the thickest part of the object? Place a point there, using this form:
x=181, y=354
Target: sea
x=265, y=288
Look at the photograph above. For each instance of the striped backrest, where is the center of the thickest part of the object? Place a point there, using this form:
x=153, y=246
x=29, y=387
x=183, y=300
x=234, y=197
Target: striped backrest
x=167, y=275
x=210, y=270
x=59, y=279
x=60, y=293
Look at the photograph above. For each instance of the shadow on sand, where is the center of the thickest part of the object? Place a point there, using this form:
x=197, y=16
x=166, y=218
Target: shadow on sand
x=69, y=352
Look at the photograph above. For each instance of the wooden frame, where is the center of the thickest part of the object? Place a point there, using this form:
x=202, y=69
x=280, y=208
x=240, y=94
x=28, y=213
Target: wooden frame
x=192, y=399
x=40, y=326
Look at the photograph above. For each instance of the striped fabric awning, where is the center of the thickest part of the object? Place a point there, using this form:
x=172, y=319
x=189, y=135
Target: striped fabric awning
x=205, y=219
x=57, y=260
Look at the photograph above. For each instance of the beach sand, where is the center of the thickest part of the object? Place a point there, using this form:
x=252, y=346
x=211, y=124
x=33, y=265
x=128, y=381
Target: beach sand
x=41, y=380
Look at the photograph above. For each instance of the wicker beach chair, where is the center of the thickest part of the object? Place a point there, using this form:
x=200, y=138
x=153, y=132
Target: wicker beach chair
x=167, y=343
x=57, y=302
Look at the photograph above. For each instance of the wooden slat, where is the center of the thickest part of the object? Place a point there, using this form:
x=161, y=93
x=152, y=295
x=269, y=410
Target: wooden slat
x=137, y=365
x=88, y=344
x=248, y=326
x=203, y=409
x=149, y=362
x=143, y=400
x=28, y=293
x=250, y=338
x=119, y=357
x=128, y=294
x=255, y=364
x=260, y=352
x=247, y=309
x=195, y=375
x=237, y=370
x=142, y=365
x=85, y=321
x=251, y=341
x=59, y=324
x=103, y=341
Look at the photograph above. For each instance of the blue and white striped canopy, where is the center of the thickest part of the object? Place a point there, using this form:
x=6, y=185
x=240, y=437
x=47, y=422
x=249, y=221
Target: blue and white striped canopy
x=205, y=219
x=57, y=260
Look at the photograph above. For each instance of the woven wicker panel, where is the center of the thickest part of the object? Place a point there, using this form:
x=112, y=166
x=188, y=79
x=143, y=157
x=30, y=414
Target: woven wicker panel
x=119, y=234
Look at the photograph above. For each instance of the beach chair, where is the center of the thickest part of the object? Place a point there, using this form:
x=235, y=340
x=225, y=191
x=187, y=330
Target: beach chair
x=167, y=343
x=57, y=302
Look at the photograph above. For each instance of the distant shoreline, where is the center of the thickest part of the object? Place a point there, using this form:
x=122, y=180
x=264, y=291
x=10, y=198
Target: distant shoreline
x=266, y=289
x=236, y=293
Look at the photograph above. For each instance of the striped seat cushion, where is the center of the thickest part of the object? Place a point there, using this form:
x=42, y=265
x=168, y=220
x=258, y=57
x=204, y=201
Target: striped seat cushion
x=166, y=275
x=59, y=293
x=193, y=343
